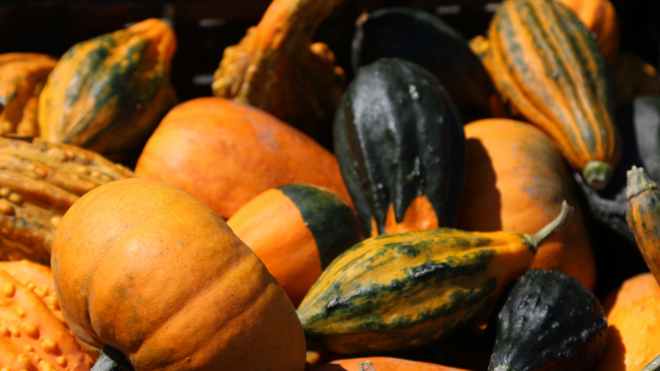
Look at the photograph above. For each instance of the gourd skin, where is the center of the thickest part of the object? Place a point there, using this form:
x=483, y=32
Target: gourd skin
x=227, y=153
x=548, y=69
x=397, y=291
x=549, y=322
x=22, y=76
x=296, y=230
x=108, y=93
x=515, y=181
x=225, y=312
x=643, y=217
x=382, y=364
x=401, y=148
x=637, y=287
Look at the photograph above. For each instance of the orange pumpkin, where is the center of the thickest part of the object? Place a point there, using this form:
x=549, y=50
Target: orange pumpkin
x=226, y=153
x=382, y=364
x=600, y=18
x=152, y=272
x=515, y=181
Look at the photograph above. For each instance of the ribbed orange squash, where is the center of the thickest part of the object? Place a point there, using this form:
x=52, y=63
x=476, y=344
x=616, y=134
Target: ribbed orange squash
x=277, y=68
x=600, y=18
x=548, y=69
x=515, y=181
x=148, y=270
x=382, y=364
x=107, y=94
x=226, y=153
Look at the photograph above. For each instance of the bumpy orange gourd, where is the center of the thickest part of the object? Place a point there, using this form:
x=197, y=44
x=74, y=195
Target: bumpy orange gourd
x=382, y=364
x=22, y=76
x=515, y=181
x=277, y=68
x=147, y=269
x=226, y=153
x=640, y=286
x=600, y=18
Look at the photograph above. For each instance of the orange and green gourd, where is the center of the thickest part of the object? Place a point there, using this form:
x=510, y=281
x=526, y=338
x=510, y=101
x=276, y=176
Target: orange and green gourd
x=278, y=69
x=296, y=230
x=397, y=291
x=548, y=69
x=108, y=94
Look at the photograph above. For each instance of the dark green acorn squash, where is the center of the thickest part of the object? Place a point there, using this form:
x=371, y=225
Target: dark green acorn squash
x=548, y=322
x=401, y=148
x=423, y=38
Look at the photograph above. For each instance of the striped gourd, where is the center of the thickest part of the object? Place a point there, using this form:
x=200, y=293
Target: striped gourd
x=108, y=94
x=401, y=290
x=548, y=68
x=643, y=217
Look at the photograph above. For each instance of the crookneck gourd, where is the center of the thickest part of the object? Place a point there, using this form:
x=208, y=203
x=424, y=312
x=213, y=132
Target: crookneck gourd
x=643, y=217
x=296, y=230
x=108, y=93
x=226, y=153
x=39, y=181
x=32, y=337
x=425, y=39
x=548, y=322
x=397, y=291
x=401, y=148
x=278, y=69
x=549, y=70
x=215, y=307
x=515, y=181
x=22, y=76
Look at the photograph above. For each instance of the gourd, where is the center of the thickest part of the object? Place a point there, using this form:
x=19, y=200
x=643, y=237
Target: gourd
x=599, y=16
x=634, y=78
x=548, y=69
x=226, y=153
x=39, y=181
x=22, y=76
x=278, y=69
x=382, y=364
x=548, y=322
x=296, y=230
x=426, y=40
x=215, y=306
x=31, y=337
x=515, y=177
x=401, y=148
x=397, y=291
x=637, y=287
x=643, y=217
x=107, y=94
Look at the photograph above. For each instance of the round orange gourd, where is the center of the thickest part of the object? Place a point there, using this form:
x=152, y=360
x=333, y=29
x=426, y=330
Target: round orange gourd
x=641, y=286
x=382, y=364
x=515, y=181
x=226, y=153
x=600, y=18
x=150, y=271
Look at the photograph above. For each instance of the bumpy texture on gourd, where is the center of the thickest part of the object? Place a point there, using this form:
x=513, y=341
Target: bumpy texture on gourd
x=39, y=181
x=108, y=93
x=549, y=70
x=296, y=230
x=226, y=153
x=149, y=270
x=22, y=76
x=549, y=322
x=32, y=337
x=397, y=291
x=277, y=68
x=401, y=148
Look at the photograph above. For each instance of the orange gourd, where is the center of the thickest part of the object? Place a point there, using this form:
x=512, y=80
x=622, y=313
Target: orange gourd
x=641, y=286
x=226, y=153
x=382, y=364
x=150, y=271
x=515, y=181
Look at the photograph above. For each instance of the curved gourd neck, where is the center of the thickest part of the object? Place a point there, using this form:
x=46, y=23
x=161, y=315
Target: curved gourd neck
x=638, y=182
x=551, y=228
x=112, y=360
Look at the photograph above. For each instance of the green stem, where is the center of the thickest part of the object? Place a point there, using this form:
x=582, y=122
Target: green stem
x=638, y=182
x=551, y=228
x=112, y=360
x=653, y=366
x=597, y=174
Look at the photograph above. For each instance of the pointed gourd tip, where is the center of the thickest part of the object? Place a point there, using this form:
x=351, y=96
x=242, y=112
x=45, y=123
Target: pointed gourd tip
x=553, y=227
x=638, y=182
x=598, y=174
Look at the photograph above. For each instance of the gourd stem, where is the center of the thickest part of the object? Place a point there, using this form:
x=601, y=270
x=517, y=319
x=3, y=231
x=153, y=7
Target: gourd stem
x=551, y=228
x=112, y=360
x=505, y=367
x=653, y=366
x=638, y=182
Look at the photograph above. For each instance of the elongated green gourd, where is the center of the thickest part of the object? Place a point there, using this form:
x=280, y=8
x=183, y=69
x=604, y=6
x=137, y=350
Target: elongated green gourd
x=402, y=290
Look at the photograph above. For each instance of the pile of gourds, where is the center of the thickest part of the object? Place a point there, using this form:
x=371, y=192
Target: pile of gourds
x=444, y=230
